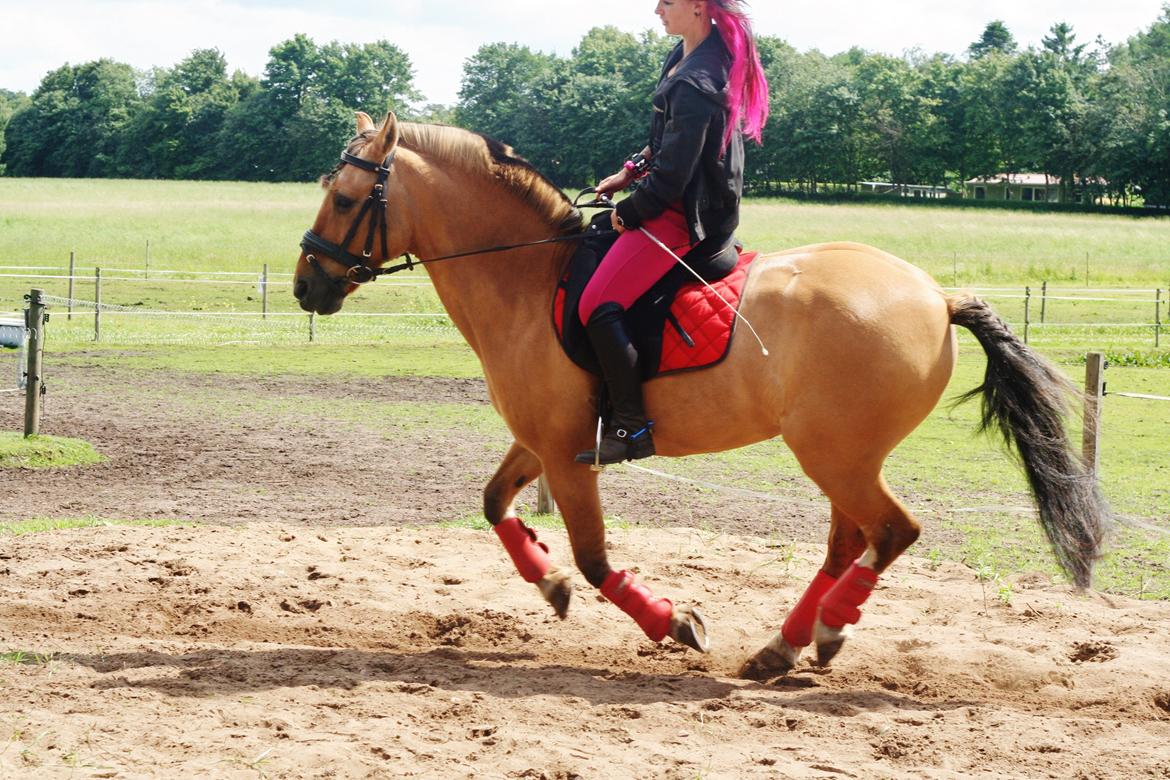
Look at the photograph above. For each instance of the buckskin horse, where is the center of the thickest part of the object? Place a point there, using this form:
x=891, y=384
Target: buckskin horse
x=860, y=350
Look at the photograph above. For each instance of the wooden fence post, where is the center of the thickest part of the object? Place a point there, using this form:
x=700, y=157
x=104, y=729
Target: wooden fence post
x=312, y=326
x=1043, y=301
x=97, y=304
x=264, y=293
x=1094, y=394
x=544, y=500
x=35, y=323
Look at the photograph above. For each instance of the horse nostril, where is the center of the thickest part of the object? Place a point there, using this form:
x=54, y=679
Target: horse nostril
x=300, y=289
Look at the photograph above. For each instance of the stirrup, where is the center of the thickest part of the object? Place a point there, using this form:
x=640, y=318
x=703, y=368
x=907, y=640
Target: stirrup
x=618, y=445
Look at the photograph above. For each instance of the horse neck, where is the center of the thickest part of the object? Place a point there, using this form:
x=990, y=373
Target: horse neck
x=487, y=294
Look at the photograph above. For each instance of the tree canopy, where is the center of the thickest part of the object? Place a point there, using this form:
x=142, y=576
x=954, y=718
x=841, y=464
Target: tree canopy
x=1093, y=116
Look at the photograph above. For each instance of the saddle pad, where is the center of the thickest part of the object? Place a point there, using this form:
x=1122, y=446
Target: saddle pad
x=701, y=315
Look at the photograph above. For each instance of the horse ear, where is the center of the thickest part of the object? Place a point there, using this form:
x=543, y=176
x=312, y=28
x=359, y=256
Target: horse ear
x=388, y=134
x=364, y=122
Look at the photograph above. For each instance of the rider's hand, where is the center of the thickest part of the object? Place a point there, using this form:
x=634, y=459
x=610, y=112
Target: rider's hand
x=611, y=184
x=615, y=224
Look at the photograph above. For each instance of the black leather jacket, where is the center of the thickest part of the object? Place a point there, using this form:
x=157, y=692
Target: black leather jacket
x=688, y=161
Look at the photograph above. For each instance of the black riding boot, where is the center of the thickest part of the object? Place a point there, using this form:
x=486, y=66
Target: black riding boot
x=627, y=437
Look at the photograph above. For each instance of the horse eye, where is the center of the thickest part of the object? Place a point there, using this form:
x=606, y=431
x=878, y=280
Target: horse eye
x=342, y=203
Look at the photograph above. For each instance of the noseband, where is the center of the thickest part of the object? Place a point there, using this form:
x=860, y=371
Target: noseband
x=373, y=211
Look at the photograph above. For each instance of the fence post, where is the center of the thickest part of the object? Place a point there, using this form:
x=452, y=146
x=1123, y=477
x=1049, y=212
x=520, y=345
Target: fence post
x=1158, y=318
x=264, y=293
x=146, y=272
x=544, y=500
x=312, y=326
x=1094, y=393
x=97, y=304
x=35, y=319
x=1043, y=301
x=69, y=305
x=1027, y=311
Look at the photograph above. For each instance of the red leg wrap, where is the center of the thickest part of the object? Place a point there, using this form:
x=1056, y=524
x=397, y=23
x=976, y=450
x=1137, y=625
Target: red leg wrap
x=529, y=555
x=653, y=615
x=840, y=604
x=798, y=627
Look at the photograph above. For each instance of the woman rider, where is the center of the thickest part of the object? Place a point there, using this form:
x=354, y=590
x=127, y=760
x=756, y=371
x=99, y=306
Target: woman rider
x=711, y=93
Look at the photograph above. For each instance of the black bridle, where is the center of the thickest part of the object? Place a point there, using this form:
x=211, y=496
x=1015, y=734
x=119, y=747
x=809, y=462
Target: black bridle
x=374, y=211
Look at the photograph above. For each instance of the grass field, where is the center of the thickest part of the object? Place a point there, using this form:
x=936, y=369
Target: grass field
x=204, y=227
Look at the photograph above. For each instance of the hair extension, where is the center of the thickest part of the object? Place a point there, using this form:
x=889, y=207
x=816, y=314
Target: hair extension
x=747, y=87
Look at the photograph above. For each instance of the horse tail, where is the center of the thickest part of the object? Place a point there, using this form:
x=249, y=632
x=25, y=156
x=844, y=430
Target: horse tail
x=1025, y=397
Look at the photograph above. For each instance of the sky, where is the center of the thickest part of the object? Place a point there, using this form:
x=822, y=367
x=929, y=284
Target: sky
x=439, y=35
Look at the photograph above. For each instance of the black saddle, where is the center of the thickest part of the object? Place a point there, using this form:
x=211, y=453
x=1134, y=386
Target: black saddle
x=649, y=315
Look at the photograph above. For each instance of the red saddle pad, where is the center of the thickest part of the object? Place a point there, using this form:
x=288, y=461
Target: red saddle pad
x=706, y=319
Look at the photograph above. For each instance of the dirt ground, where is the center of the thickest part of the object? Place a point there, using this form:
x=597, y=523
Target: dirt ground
x=313, y=625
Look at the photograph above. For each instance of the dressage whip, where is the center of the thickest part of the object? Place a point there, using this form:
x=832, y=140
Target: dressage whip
x=696, y=274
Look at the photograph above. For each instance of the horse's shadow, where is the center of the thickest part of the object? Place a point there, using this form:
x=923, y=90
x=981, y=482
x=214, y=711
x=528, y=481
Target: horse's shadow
x=237, y=672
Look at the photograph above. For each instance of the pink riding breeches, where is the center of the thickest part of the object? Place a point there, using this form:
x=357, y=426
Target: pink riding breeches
x=634, y=263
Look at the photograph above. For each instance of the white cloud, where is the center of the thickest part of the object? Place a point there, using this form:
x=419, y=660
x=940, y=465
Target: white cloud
x=440, y=34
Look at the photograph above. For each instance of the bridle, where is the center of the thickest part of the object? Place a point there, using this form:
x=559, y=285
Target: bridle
x=374, y=211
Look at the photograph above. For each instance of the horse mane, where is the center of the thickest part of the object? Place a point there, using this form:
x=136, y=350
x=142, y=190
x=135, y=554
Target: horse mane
x=480, y=155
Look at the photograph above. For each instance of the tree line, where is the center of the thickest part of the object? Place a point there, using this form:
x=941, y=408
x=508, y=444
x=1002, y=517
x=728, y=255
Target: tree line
x=1095, y=116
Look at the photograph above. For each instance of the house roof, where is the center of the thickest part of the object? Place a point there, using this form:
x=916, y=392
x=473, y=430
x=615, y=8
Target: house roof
x=1029, y=179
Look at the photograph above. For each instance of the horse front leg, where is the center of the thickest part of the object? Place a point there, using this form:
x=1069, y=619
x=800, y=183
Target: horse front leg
x=779, y=656
x=574, y=487
x=530, y=556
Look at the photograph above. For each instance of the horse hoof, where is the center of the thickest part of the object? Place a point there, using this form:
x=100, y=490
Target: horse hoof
x=688, y=627
x=829, y=641
x=775, y=659
x=557, y=589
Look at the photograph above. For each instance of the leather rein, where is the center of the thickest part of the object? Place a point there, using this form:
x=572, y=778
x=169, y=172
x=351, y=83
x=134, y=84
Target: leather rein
x=373, y=211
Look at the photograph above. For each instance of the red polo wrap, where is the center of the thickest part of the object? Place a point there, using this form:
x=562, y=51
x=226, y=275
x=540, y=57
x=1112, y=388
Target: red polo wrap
x=798, y=627
x=529, y=555
x=651, y=614
x=840, y=604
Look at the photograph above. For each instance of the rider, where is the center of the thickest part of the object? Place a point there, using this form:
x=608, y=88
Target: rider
x=712, y=91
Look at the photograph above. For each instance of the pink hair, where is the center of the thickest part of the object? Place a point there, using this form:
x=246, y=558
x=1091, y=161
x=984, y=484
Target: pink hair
x=747, y=87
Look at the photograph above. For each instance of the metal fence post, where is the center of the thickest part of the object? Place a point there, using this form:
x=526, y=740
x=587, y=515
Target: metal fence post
x=97, y=304
x=1094, y=393
x=544, y=500
x=1027, y=311
x=264, y=293
x=69, y=305
x=35, y=319
x=1158, y=318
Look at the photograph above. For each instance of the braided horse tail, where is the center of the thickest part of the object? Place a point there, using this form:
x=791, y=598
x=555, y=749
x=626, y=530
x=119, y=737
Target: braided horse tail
x=1025, y=398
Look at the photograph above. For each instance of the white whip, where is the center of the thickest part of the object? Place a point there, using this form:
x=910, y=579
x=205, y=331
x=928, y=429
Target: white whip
x=683, y=263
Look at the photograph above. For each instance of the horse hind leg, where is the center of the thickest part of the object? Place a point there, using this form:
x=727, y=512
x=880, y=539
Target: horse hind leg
x=779, y=656
x=519, y=467
x=888, y=529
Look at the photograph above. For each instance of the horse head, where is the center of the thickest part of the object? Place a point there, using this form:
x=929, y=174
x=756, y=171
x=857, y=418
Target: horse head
x=353, y=233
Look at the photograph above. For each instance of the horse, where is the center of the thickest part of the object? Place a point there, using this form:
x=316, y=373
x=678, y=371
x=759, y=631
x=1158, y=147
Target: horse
x=860, y=349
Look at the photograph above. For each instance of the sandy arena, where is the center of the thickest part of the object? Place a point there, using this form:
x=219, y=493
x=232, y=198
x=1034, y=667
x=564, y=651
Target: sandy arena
x=315, y=625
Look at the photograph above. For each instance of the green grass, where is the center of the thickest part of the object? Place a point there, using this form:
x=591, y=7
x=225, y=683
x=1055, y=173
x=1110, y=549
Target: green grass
x=44, y=452
x=40, y=525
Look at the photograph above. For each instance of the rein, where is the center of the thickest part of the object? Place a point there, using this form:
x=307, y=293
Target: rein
x=374, y=209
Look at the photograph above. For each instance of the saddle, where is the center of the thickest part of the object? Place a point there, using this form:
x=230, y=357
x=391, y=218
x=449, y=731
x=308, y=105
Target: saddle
x=678, y=325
